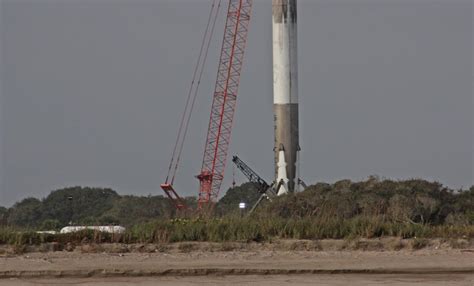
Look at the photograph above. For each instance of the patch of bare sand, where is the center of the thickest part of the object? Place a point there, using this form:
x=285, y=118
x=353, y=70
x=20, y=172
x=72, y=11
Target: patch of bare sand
x=155, y=263
x=270, y=280
x=360, y=262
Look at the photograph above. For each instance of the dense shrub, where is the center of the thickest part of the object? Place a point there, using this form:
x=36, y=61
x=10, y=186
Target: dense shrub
x=410, y=202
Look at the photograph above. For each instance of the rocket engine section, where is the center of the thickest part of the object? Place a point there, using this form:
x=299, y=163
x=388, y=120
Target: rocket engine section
x=285, y=94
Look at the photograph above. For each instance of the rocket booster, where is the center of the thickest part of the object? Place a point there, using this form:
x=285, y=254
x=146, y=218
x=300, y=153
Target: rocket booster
x=285, y=93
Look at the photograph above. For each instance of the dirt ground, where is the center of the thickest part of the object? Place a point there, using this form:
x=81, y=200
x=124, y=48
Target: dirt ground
x=271, y=280
x=186, y=265
x=257, y=260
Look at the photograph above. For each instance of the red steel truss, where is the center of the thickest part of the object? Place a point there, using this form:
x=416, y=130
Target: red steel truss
x=224, y=101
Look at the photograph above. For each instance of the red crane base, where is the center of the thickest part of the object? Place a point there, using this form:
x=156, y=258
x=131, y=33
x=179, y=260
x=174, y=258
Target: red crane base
x=173, y=196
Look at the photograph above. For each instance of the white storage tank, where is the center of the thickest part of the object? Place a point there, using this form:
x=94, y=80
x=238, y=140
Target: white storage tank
x=101, y=228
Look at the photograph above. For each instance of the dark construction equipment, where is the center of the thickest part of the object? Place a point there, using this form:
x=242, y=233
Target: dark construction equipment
x=223, y=104
x=252, y=176
x=266, y=191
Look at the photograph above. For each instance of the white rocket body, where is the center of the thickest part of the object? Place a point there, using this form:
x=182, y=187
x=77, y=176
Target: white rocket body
x=285, y=92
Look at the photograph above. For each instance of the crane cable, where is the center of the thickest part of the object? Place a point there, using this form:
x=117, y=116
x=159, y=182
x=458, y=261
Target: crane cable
x=191, y=98
x=197, y=88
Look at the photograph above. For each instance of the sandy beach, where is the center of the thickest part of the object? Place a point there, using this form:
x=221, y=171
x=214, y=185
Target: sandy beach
x=249, y=267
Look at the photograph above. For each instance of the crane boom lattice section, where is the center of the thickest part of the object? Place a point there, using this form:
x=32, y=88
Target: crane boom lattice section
x=224, y=100
x=251, y=175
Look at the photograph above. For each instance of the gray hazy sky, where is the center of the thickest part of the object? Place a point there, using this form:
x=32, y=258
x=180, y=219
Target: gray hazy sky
x=92, y=92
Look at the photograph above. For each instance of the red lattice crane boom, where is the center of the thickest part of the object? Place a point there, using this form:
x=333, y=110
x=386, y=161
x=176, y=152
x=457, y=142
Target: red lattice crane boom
x=224, y=101
x=223, y=107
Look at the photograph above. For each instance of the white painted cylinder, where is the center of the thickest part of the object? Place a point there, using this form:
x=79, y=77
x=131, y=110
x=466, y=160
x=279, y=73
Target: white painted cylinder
x=285, y=54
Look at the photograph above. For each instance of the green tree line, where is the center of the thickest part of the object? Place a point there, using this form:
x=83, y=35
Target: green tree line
x=409, y=201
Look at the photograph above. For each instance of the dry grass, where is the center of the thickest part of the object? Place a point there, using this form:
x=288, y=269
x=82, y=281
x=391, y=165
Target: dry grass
x=234, y=229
